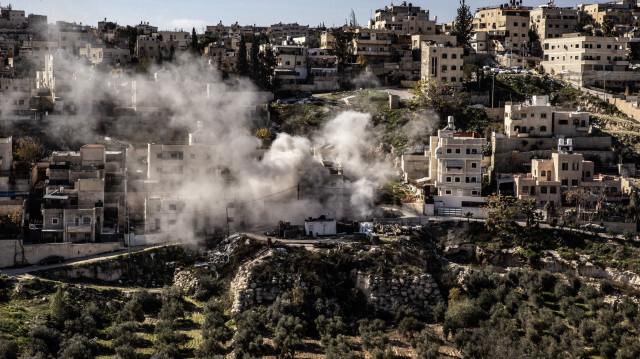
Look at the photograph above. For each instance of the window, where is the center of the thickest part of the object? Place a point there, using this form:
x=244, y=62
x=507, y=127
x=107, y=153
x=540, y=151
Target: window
x=474, y=193
x=444, y=68
x=474, y=151
x=565, y=182
x=173, y=207
x=563, y=122
x=457, y=179
x=454, y=56
x=448, y=179
x=613, y=190
x=553, y=190
x=447, y=191
x=574, y=166
x=444, y=56
x=474, y=165
x=543, y=128
x=525, y=189
x=457, y=150
x=543, y=173
x=453, y=67
x=588, y=174
x=448, y=150
x=86, y=221
x=54, y=221
x=565, y=166
x=159, y=155
x=466, y=180
x=543, y=189
x=453, y=79
x=574, y=182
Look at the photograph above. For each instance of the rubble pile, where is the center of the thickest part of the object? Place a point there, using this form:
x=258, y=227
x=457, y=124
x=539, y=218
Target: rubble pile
x=416, y=292
x=186, y=280
x=266, y=291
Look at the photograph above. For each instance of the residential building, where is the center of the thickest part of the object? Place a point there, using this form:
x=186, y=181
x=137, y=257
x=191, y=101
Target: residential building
x=537, y=118
x=549, y=179
x=622, y=14
x=404, y=19
x=456, y=162
x=550, y=21
x=291, y=62
x=146, y=28
x=181, y=39
x=589, y=60
x=12, y=19
x=507, y=27
x=280, y=32
x=104, y=55
x=83, y=197
x=442, y=64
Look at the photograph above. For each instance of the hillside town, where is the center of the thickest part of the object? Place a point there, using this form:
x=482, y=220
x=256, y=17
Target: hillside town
x=98, y=149
x=404, y=188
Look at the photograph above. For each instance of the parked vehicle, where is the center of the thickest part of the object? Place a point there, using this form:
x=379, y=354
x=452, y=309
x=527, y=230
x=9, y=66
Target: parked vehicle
x=592, y=227
x=51, y=260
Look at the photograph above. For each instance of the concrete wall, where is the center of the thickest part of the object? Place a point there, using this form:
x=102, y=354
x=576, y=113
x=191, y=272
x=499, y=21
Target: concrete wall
x=35, y=252
x=505, y=144
x=509, y=162
x=627, y=107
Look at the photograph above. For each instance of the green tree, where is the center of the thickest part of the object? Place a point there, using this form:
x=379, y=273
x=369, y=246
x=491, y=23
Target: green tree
x=215, y=333
x=267, y=63
x=28, y=150
x=608, y=28
x=462, y=26
x=342, y=44
x=500, y=210
x=528, y=207
x=442, y=98
x=585, y=23
x=254, y=58
x=195, y=47
x=60, y=308
x=409, y=326
x=288, y=336
x=242, y=65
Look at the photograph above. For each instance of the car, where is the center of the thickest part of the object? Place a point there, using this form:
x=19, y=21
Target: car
x=592, y=227
x=51, y=260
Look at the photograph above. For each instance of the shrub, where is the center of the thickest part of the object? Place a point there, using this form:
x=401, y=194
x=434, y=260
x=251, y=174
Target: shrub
x=288, y=336
x=372, y=334
x=339, y=348
x=8, y=349
x=173, y=305
x=43, y=340
x=77, y=347
x=247, y=340
x=409, y=326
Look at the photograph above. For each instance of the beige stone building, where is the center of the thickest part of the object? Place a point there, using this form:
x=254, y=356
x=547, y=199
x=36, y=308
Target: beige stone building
x=589, y=60
x=83, y=197
x=549, y=179
x=404, y=19
x=456, y=162
x=622, y=14
x=550, y=21
x=442, y=64
x=103, y=55
x=537, y=118
x=507, y=27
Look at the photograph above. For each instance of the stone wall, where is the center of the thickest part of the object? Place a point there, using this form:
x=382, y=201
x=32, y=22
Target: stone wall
x=417, y=292
x=10, y=251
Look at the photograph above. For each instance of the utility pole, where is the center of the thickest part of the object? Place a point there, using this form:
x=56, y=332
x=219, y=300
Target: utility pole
x=493, y=88
x=298, y=191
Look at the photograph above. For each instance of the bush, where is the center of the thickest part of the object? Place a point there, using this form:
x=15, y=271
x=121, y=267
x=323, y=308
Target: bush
x=173, y=306
x=124, y=334
x=247, y=341
x=409, y=326
x=43, y=340
x=338, y=348
x=77, y=347
x=288, y=336
x=8, y=349
x=148, y=301
x=462, y=314
x=215, y=333
x=329, y=328
x=372, y=334
x=131, y=312
x=60, y=308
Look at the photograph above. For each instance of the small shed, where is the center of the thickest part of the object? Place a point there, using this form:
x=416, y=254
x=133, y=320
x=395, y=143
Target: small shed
x=321, y=226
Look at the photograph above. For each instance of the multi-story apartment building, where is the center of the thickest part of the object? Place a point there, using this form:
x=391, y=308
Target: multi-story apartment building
x=565, y=171
x=442, y=64
x=291, y=62
x=404, y=19
x=279, y=32
x=590, y=60
x=11, y=19
x=622, y=14
x=83, y=197
x=550, y=21
x=181, y=39
x=537, y=118
x=507, y=27
x=104, y=55
x=146, y=28
x=456, y=162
